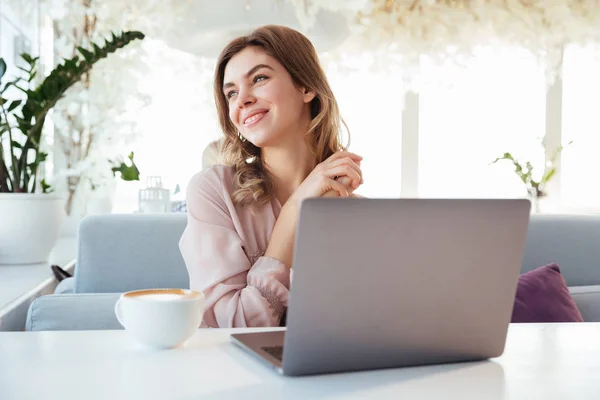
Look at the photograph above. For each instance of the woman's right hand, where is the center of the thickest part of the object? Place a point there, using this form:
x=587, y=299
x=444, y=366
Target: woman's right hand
x=322, y=179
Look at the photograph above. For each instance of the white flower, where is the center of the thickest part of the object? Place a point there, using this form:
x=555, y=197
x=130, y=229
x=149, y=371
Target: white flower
x=402, y=32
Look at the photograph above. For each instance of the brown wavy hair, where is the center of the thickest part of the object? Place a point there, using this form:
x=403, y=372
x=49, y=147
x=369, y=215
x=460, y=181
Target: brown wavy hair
x=253, y=185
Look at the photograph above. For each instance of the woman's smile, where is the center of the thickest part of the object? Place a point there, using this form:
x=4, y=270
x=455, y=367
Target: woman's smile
x=254, y=117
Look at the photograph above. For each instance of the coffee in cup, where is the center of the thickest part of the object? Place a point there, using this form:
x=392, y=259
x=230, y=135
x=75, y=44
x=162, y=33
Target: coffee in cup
x=161, y=318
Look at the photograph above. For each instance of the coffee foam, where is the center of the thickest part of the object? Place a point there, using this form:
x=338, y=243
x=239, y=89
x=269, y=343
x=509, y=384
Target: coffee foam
x=162, y=295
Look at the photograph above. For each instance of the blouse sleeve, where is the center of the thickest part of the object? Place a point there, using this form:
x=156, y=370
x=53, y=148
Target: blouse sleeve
x=238, y=293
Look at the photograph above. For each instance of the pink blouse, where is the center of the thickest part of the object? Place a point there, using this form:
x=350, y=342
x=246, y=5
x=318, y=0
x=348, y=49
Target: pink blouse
x=223, y=248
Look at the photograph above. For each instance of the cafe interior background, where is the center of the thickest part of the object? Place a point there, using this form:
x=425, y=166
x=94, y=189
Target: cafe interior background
x=443, y=98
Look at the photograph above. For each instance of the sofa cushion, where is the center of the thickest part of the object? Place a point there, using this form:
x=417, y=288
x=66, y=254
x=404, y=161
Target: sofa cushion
x=122, y=252
x=65, y=286
x=568, y=240
x=543, y=296
x=587, y=299
x=73, y=312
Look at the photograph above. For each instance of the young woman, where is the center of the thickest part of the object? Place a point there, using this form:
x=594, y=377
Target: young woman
x=282, y=144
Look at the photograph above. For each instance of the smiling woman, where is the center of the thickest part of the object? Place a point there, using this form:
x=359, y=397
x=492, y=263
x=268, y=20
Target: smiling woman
x=256, y=79
x=276, y=113
x=282, y=144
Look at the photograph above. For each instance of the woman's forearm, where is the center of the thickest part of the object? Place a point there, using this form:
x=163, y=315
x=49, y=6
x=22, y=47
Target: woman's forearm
x=281, y=243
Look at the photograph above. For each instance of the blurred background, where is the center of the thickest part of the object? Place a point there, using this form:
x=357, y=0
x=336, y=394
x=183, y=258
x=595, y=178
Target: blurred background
x=433, y=93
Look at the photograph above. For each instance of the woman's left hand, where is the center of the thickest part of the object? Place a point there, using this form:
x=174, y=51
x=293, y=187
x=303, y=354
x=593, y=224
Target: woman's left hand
x=346, y=181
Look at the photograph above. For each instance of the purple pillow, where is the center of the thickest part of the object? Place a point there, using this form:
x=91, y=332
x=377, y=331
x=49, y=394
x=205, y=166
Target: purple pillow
x=543, y=296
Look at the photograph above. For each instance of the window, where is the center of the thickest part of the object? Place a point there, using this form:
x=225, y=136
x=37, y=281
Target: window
x=496, y=105
x=176, y=127
x=580, y=163
x=371, y=103
x=19, y=33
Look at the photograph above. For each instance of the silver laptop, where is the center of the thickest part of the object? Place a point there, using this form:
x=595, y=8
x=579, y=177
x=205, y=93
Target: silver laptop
x=383, y=283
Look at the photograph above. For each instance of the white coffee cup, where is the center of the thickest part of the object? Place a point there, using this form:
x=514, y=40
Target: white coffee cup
x=161, y=318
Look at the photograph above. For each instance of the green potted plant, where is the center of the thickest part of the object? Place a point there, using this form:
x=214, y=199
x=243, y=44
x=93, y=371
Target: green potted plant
x=535, y=186
x=31, y=215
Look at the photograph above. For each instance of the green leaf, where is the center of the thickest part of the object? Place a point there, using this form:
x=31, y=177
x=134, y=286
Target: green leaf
x=13, y=105
x=505, y=156
x=40, y=158
x=128, y=173
x=131, y=35
x=9, y=84
x=21, y=89
x=548, y=175
x=50, y=90
x=2, y=68
x=88, y=55
x=27, y=58
x=97, y=50
x=17, y=145
x=70, y=64
x=45, y=187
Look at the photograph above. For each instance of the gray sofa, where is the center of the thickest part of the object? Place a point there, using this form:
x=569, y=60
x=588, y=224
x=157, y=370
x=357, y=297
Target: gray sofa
x=118, y=253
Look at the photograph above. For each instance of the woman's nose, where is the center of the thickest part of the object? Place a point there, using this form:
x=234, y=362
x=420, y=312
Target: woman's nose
x=245, y=98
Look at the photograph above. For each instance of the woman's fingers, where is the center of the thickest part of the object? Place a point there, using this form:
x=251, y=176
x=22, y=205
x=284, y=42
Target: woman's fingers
x=344, y=180
x=331, y=193
x=346, y=170
x=340, y=188
x=340, y=174
x=346, y=161
x=341, y=154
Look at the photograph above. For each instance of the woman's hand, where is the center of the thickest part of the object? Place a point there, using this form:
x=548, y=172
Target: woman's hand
x=322, y=180
x=346, y=181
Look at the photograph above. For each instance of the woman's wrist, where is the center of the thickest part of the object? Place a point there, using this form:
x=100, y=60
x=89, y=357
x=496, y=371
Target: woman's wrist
x=291, y=205
x=281, y=243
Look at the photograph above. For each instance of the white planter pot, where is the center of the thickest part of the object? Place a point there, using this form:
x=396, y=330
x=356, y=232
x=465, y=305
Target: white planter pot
x=29, y=226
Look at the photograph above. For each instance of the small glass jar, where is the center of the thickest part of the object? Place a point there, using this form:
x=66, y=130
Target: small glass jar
x=154, y=198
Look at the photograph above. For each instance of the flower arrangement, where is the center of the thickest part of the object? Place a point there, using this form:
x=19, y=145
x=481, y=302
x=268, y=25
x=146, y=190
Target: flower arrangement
x=403, y=31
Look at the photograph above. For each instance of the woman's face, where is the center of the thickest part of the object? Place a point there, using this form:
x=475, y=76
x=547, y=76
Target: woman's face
x=264, y=104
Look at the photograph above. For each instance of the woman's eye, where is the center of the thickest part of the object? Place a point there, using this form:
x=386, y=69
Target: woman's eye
x=259, y=78
x=230, y=94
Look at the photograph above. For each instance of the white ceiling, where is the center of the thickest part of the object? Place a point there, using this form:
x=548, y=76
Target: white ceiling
x=210, y=25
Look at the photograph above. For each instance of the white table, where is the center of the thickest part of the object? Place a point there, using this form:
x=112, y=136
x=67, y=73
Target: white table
x=21, y=284
x=545, y=361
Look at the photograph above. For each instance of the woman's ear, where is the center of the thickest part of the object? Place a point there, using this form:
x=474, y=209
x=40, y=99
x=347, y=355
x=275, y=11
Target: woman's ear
x=308, y=96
